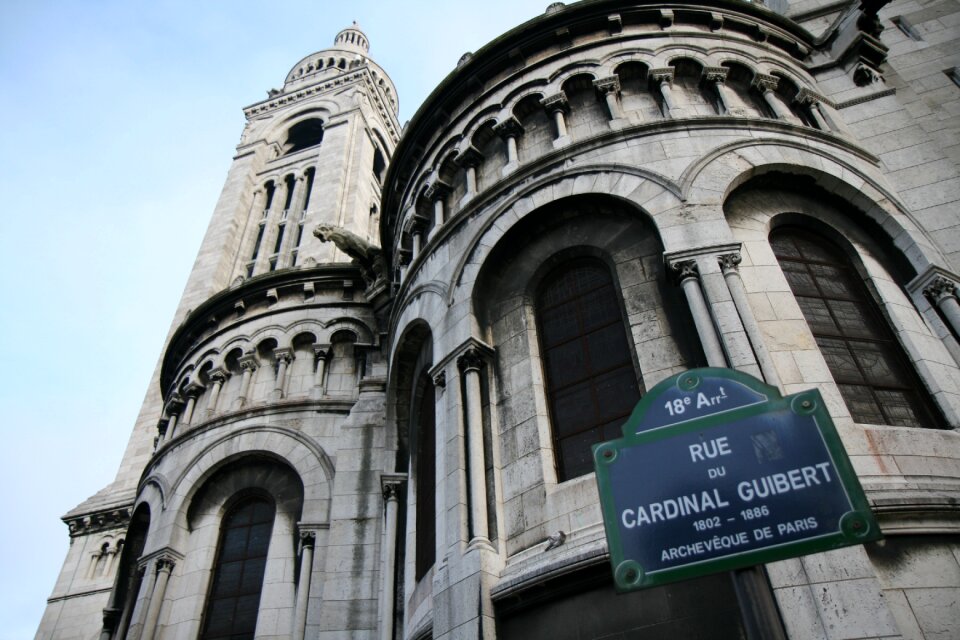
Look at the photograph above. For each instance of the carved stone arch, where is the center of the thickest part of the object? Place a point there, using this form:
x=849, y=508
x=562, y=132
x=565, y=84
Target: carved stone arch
x=653, y=193
x=273, y=331
x=485, y=117
x=361, y=330
x=160, y=484
x=669, y=53
x=721, y=55
x=643, y=55
x=425, y=302
x=711, y=181
x=414, y=344
x=516, y=94
x=560, y=76
x=299, y=451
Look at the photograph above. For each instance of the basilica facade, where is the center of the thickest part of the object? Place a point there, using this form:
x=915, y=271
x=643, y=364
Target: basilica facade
x=374, y=413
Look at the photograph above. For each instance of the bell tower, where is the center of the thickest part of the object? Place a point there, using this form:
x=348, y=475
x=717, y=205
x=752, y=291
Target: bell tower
x=272, y=351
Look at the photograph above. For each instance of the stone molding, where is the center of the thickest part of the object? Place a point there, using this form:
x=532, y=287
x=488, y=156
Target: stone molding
x=556, y=102
x=86, y=524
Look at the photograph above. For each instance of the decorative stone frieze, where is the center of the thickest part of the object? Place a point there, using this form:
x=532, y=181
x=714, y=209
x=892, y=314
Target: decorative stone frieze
x=87, y=524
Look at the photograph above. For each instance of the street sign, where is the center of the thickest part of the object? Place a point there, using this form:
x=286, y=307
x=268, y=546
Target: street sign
x=717, y=471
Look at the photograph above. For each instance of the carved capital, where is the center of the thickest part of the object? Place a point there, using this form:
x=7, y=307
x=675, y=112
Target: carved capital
x=437, y=190
x=321, y=351
x=610, y=84
x=470, y=360
x=440, y=380
x=764, y=82
x=219, y=375
x=556, y=102
x=940, y=288
x=685, y=269
x=729, y=261
x=308, y=537
x=162, y=425
x=175, y=404
x=807, y=96
x=391, y=491
x=248, y=362
x=715, y=74
x=469, y=157
x=404, y=256
x=664, y=74
x=193, y=390
x=509, y=128
x=166, y=563
x=284, y=354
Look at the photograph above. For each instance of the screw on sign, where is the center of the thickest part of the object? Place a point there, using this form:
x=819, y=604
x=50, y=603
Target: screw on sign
x=717, y=471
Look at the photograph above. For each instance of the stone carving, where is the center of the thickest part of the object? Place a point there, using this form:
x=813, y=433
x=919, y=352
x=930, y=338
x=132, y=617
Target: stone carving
x=367, y=256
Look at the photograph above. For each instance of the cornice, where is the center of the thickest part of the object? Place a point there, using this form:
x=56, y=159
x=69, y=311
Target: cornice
x=97, y=521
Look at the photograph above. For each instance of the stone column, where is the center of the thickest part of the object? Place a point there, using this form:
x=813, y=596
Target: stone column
x=321, y=352
x=391, y=494
x=689, y=279
x=418, y=228
x=767, y=85
x=283, y=356
x=271, y=219
x=812, y=101
x=164, y=568
x=217, y=377
x=248, y=363
x=403, y=260
x=307, y=541
x=174, y=408
x=470, y=158
x=133, y=592
x=470, y=364
x=162, y=425
x=289, y=237
x=437, y=193
x=193, y=392
x=738, y=293
x=942, y=291
x=717, y=76
x=557, y=106
x=509, y=130
x=662, y=79
x=257, y=214
x=92, y=569
x=609, y=88
x=108, y=565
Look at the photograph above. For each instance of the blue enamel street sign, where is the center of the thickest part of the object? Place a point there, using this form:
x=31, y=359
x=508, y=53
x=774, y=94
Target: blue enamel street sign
x=717, y=471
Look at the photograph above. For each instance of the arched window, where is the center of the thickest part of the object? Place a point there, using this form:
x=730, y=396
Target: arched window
x=591, y=383
x=234, y=599
x=426, y=426
x=869, y=366
x=304, y=134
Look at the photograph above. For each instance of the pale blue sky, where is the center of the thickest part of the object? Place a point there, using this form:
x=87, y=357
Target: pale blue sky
x=119, y=120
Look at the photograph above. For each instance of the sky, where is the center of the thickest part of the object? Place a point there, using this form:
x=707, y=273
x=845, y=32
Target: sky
x=119, y=123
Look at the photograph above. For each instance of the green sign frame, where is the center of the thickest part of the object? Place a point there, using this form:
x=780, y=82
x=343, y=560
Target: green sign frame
x=664, y=430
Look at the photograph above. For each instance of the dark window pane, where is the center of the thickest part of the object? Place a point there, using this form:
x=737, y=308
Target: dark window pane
x=818, y=316
x=591, y=384
x=862, y=404
x=566, y=363
x=238, y=574
x=841, y=362
x=873, y=373
x=573, y=409
x=559, y=324
x=800, y=281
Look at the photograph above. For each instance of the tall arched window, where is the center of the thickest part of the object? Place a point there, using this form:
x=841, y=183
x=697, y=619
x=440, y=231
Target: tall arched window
x=426, y=426
x=234, y=599
x=869, y=366
x=591, y=383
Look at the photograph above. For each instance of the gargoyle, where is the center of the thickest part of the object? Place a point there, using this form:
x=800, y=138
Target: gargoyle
x=367, y=256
